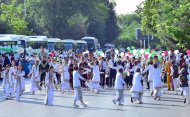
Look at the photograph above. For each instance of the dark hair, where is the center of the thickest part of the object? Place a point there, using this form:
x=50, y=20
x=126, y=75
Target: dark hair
x=96, y=62
x=151, y=62
x=155, y=65
x=119, y=62
x=120, y=70
x=155, y=56
x=173, y=62
x=138, y=69
x=75, y=67
x=51, y=67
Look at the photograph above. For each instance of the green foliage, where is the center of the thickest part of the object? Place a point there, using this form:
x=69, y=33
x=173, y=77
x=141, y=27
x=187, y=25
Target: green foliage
x=12, y=15
x=168, y=20
x=128, y=25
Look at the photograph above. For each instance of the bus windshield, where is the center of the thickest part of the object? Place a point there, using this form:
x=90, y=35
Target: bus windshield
x=59, y=46
x=8, y=43
x=81, y=46
x=68, y=46
x=90, y=43
x=37, y=45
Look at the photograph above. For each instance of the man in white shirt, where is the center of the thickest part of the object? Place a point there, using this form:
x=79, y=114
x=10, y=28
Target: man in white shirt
x=112, y=74
x=103, y=68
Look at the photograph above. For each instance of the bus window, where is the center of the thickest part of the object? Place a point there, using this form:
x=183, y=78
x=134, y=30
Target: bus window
x=59, y=46
x=68, y=46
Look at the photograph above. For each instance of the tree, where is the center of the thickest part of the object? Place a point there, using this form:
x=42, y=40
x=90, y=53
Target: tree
x=168, y=20
x=12, y=16
x=128, y=25
x=112, y=29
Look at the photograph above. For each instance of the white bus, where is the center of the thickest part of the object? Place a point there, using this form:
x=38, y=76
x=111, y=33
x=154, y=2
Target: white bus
x=81, y=45
x=69, y=44
x=37, y=41
x=55, y=44
x=109, y=46
x=13, y=40
x=92, y=43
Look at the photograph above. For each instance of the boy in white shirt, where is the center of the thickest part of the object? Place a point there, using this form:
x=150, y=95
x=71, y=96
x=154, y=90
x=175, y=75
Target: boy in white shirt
x=77, y=87
x=119, y=87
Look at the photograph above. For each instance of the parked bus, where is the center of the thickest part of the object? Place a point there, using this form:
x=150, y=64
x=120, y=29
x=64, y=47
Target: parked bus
x=108, y=46
x=13, y=40
x=81, y=45
x=92, y=43
x=69, y=44
x=55, y=44
x=37, y=41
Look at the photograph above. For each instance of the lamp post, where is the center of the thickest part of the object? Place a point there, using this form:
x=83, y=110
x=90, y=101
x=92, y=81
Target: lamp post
x=25, y=7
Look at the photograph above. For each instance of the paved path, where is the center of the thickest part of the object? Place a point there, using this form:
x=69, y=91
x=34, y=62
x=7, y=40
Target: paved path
x=99, y=105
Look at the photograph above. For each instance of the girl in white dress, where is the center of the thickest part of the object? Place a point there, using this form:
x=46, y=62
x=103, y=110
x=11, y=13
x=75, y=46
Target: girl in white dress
x=19, y=76
x=49, y=82
x=65, y=76
x=157, y=82
x=12, y=71
x=35, y=78
x=7, y=82
x=94, y=85
x=137, y=88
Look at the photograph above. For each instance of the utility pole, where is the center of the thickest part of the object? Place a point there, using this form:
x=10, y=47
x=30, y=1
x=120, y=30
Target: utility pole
x=24, y=7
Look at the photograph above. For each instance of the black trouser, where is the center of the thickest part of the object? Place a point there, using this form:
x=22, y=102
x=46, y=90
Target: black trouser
x=148, y=85
x=58, y=78
x=131, y=79
x=127, y=81
x=82, y=81
x=112, y=77
x=42, y=79
x=102, y=78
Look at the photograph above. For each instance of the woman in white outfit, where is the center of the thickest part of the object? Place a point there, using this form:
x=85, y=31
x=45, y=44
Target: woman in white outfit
x=65, y=76
x=119, y=87
x=35, y=78
x=137, y=88
x=95, y=82
x=19, y=76
x=7, y=82
x=157, y=82
x=12, y=71
x=150, y=69
x=49, y=82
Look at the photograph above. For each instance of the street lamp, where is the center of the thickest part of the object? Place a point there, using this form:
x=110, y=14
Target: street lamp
x=25, y=7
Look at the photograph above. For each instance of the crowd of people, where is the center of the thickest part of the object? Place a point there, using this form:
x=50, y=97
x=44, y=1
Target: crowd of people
x=69, y=71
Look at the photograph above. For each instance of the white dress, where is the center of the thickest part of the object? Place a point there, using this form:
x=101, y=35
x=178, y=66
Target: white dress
x=49, y=82
x=94, y=84
x=7, y=84
x=35, y=78
x=157, y=82
x=13, y=71
x=137, y=85
x=65, y=78
x=19, y=84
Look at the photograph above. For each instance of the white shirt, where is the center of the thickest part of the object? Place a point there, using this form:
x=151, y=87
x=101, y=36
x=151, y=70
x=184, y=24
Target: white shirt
x=76, y=79
x=103, y=65
x=119, y=82
x=150, y=70
x=55, y=66
x=110, y=63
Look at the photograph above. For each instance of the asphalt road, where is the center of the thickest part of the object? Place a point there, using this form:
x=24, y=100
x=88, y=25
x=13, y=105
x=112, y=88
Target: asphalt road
x=99, y=105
